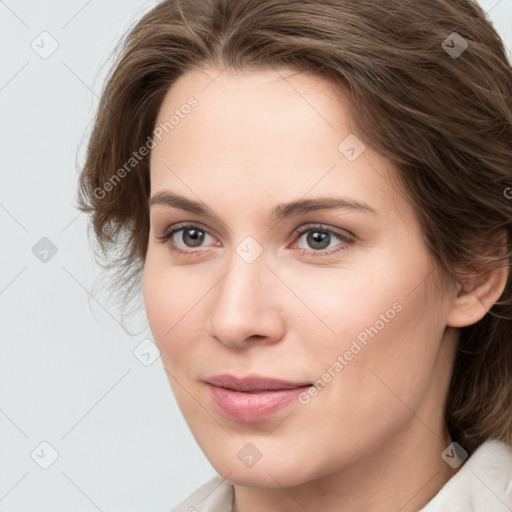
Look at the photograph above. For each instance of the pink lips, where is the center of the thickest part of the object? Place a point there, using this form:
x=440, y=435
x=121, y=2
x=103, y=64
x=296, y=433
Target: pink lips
x=252, y=399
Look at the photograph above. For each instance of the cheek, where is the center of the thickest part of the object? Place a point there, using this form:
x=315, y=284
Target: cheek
x=388, y=349
x=351, y=303
x=155, y=300
x=161, y=297
x=384, y=332
x=173, y=303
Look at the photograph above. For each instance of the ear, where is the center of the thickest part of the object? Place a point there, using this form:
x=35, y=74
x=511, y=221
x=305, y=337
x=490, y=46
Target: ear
x=477, y=294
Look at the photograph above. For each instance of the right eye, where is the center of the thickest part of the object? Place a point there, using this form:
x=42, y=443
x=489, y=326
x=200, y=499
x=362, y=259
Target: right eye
x=192, y=236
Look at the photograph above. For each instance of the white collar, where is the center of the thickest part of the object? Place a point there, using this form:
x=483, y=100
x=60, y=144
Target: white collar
x=484, y=483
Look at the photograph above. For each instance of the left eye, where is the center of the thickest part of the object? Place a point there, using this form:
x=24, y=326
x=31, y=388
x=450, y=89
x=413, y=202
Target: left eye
x=320, y=239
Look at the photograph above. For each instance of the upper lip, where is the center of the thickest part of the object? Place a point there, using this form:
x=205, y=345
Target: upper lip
x=252, y=383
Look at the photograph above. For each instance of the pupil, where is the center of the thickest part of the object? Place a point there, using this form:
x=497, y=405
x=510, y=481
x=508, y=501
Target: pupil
x=316, y=237
x=196, y=238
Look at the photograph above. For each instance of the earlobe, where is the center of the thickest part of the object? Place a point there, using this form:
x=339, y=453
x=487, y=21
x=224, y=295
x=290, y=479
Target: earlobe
x=476, y=295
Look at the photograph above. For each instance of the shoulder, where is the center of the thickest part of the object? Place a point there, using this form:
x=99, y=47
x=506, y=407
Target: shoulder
x=216, y=495
x=483, y=483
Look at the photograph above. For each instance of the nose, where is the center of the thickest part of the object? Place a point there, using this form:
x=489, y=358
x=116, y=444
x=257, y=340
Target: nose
x=246, y=307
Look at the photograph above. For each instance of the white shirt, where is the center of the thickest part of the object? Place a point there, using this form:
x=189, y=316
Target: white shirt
x=483, y=484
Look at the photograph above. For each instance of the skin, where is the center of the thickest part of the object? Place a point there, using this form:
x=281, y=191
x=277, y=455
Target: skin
x=372, y=438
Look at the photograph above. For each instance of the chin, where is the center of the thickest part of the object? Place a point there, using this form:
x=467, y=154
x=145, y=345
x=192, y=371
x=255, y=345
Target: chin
x=272, y=477
x=269, y=472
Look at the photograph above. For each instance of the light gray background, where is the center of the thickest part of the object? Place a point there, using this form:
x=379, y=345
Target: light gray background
x=68, y=372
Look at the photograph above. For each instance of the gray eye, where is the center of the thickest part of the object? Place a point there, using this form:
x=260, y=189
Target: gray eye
x=192, y=237
x=318, y=239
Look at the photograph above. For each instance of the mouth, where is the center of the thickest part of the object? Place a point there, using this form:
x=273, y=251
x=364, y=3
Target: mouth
x=252, y=399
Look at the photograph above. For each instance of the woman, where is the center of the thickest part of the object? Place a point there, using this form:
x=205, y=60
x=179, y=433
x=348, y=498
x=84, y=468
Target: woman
x=316, y=199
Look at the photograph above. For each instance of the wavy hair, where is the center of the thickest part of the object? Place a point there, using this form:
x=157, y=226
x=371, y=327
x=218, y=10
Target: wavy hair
x=431, y=90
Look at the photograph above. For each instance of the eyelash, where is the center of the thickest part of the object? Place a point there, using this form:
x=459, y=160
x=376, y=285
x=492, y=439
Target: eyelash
x=297, y=233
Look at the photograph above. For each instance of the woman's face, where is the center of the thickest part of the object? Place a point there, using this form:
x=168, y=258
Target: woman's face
x=298, y=262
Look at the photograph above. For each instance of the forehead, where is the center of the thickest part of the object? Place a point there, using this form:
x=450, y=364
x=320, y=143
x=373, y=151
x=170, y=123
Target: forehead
x=256, y=107
x=264, y=132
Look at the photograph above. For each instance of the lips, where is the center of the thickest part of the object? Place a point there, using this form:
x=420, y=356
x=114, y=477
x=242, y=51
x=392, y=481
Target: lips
x=253, y=383
x=252, y=399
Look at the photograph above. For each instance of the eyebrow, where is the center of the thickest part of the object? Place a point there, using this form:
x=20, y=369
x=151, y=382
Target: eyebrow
x=278, y=213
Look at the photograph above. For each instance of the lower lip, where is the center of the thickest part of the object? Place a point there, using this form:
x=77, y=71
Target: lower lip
x=252, y=407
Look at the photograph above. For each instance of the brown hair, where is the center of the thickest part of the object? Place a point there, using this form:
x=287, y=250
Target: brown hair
x=437, y=104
